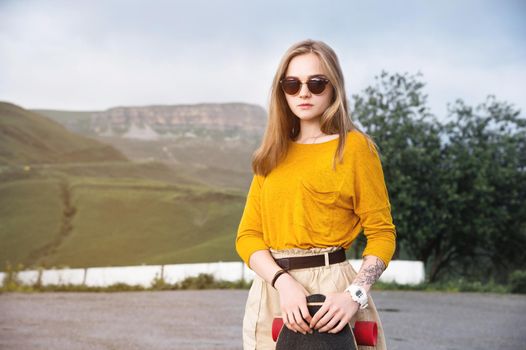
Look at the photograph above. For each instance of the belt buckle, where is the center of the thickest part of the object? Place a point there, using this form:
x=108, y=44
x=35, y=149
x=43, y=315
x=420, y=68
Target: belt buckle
x=326, y=255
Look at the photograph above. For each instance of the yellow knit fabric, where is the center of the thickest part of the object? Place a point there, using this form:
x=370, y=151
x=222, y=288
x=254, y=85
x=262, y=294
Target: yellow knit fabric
x=304, y=203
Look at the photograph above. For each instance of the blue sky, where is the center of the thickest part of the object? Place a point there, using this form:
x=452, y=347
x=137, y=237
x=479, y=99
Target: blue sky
x=92, y=55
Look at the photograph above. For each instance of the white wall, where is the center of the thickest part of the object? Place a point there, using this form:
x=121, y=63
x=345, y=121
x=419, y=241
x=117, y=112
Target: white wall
x=132, y=275
x=399, y=271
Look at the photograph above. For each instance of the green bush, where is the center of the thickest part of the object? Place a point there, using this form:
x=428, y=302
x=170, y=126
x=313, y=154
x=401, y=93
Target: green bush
x=518, y=281
x=201, y=281
x=11, y=282
x=159, y=283
x=207, y=281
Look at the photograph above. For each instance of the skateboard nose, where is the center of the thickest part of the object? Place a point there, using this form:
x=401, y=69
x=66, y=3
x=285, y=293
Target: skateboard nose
x=314, y=302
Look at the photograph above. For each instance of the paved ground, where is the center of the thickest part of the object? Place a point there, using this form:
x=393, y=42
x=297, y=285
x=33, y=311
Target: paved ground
x=212, y=320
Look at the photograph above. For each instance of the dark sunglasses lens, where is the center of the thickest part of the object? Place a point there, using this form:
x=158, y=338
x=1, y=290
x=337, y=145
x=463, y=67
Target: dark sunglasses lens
x=291, y=86
x=316, y=86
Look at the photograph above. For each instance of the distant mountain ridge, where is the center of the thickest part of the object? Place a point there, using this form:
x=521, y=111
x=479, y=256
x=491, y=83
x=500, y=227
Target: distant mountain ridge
x=209, y=142
x=207, y=120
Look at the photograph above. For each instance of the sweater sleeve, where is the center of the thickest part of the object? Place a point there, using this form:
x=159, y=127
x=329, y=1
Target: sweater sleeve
x=250, y=234
x=371, y=203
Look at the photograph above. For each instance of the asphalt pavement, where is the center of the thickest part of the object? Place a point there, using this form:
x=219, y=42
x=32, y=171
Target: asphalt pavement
x=212, y=319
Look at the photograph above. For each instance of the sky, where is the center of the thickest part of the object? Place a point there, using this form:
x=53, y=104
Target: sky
x=94, y=55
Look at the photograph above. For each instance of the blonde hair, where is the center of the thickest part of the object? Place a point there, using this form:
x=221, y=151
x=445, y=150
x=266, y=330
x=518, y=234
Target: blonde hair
x=283, y=125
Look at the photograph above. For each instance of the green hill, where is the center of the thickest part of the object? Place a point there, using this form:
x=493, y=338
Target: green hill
x=82, y=222
x=67, y=200
x=27, y=138
x=76, y=121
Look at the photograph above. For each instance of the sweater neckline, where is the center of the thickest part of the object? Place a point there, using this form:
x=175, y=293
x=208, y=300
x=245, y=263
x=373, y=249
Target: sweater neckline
x=315, y=144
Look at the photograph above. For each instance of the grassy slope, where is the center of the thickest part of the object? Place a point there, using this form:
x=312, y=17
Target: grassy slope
x=27, y=137
x=30, y=216
x=149, y=226
x=122, y=221
x=152, y=170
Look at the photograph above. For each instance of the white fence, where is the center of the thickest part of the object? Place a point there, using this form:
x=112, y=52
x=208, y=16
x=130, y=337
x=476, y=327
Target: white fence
x=399, y=271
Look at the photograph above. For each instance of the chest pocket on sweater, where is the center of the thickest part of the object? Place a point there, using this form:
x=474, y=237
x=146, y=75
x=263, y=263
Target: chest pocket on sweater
x=315, y=202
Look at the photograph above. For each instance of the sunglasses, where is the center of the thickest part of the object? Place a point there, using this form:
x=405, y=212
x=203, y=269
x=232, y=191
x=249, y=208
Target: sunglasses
x=292, y=86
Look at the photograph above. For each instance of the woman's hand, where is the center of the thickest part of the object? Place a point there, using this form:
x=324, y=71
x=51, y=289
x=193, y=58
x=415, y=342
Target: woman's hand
x=293, y=303
x=335, y=313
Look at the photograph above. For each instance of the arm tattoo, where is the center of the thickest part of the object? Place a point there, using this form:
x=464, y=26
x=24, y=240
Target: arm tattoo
x=369, y=273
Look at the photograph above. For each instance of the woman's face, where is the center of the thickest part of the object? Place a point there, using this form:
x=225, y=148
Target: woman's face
x=303, y=67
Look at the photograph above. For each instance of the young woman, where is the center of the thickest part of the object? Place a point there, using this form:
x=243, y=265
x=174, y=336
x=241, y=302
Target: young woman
x=318, y=181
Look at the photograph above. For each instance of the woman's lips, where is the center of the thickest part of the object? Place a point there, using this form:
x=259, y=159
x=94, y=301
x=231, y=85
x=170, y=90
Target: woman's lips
x=305, y=105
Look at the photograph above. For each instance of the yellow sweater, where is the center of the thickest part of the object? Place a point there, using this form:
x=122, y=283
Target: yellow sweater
x=303, y=203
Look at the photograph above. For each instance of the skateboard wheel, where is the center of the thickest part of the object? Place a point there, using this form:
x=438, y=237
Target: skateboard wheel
x=277, y=325
x=366, y=333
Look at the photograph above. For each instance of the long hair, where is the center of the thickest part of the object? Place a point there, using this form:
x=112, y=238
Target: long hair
x=283, y=125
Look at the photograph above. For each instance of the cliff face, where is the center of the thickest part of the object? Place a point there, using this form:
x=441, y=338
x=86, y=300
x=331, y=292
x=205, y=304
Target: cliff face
x=155, y=122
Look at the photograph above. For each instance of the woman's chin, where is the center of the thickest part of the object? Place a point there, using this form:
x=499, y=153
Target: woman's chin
x=306, y=115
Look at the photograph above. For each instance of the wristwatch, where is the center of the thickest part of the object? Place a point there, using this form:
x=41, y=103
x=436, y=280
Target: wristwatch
x=358, y=294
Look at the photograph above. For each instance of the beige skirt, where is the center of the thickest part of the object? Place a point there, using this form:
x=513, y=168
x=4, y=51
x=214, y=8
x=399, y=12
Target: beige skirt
x=263, y=300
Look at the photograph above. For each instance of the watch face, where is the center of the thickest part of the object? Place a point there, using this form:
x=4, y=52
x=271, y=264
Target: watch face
x=359, y=293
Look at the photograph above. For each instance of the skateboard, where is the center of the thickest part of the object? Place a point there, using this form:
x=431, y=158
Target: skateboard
x=363, y=333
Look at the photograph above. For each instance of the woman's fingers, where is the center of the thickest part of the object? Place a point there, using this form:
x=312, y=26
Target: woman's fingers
x=305, y=313
x=289, y=320
x=315, y=320
x=322, y=323
x=286, y=321
x=294, y=323
x=294, y=320
x=301, y=325
x=331, y=322
x=343, y=322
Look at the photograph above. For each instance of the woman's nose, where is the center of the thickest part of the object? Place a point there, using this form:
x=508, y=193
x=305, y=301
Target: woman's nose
x=304, y=90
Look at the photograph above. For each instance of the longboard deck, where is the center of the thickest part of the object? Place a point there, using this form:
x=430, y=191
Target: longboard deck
x=290, y=340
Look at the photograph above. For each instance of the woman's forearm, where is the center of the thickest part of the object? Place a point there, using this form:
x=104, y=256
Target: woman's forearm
x=370, y=271
x=263, y=264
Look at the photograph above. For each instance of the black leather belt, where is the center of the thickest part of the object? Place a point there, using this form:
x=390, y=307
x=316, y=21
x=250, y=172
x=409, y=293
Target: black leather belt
x=301, y=262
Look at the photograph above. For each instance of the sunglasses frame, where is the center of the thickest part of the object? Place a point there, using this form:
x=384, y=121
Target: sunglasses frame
x=322, y=78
